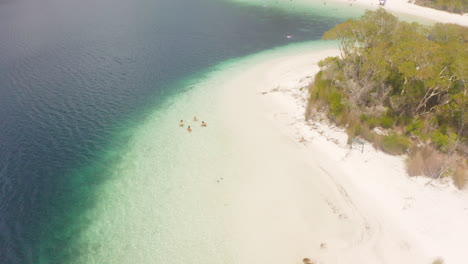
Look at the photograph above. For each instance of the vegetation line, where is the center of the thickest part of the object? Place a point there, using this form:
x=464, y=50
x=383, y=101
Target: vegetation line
x=401, y=86
x=453, y=6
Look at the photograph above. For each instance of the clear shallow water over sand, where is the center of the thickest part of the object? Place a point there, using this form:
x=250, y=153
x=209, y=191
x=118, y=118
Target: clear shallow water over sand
x=308, y=8
x=336, y=8
x=91, y=168
x=180, y=204
x=173, y=196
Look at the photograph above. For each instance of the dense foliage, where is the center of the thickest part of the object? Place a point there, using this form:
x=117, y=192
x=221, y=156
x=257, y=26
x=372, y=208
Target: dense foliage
x=399, y=76
x=454, y=6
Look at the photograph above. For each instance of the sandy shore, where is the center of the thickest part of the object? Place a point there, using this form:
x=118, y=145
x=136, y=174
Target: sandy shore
x=334, y=204
x=401, y=8
x=407, y=7
x=312, y=196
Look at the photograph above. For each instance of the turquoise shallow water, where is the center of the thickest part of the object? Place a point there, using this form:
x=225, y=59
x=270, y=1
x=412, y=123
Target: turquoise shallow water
x=85, y=90
x=93, y=168
x=173, y=205
x=77, y=81
x=164, y=198
x=328, y=8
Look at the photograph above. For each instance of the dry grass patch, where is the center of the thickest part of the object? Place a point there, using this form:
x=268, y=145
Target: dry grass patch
x=438, y=261
x=377, y=141
x=366, y=133
x=425, y=161
x=461, y=175
x=430, y=162
x=415, y=164
x=433, y=161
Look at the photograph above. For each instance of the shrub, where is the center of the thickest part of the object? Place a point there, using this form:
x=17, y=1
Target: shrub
x=443, y=141
x=363, y=117
x=349, y=119
x=329, y=60
x=439, y=139
x=454, y=6
x=344, y=118
x=335, y=102
x=395, y=144
x=402, y=120
x=321, y=89
x=357, y=129
x=387, y=121
x=353, y=131
x=415, y=127
x=372, y=122
x=366, y=133
x=438, y=261
x=319, y=92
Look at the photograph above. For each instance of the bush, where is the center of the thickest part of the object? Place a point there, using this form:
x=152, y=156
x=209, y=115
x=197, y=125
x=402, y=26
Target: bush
x=357, y=129
x=443, y=141
x=395, y=144
x=329, y=60
x=363, y=117
x=319, y=92
x=345, y=118
x=321, y=89
x=366, y=133
x=353, y=131
x=453, y=6
x=336, y=106
x=415, y=127
x=402, y=120
x=372, y=122
x=387, y=121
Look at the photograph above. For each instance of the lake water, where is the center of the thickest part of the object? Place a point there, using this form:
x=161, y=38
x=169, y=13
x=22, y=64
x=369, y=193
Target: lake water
x=79, y=82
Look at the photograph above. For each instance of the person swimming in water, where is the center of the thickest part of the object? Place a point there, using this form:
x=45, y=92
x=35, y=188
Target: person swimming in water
x=189, y=129
x=203, y=123
x=195, y=118
x=181, y=123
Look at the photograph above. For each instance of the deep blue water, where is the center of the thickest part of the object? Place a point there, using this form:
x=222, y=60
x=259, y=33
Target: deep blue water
x=73, y=72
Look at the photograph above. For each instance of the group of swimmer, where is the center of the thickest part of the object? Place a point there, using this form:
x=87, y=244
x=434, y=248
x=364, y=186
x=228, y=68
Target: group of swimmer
x=203, y=124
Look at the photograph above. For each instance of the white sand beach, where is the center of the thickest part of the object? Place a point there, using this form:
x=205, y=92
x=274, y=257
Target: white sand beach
x=260, y=184
x=312, y=196
x=401, y=8
x=408, y=7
